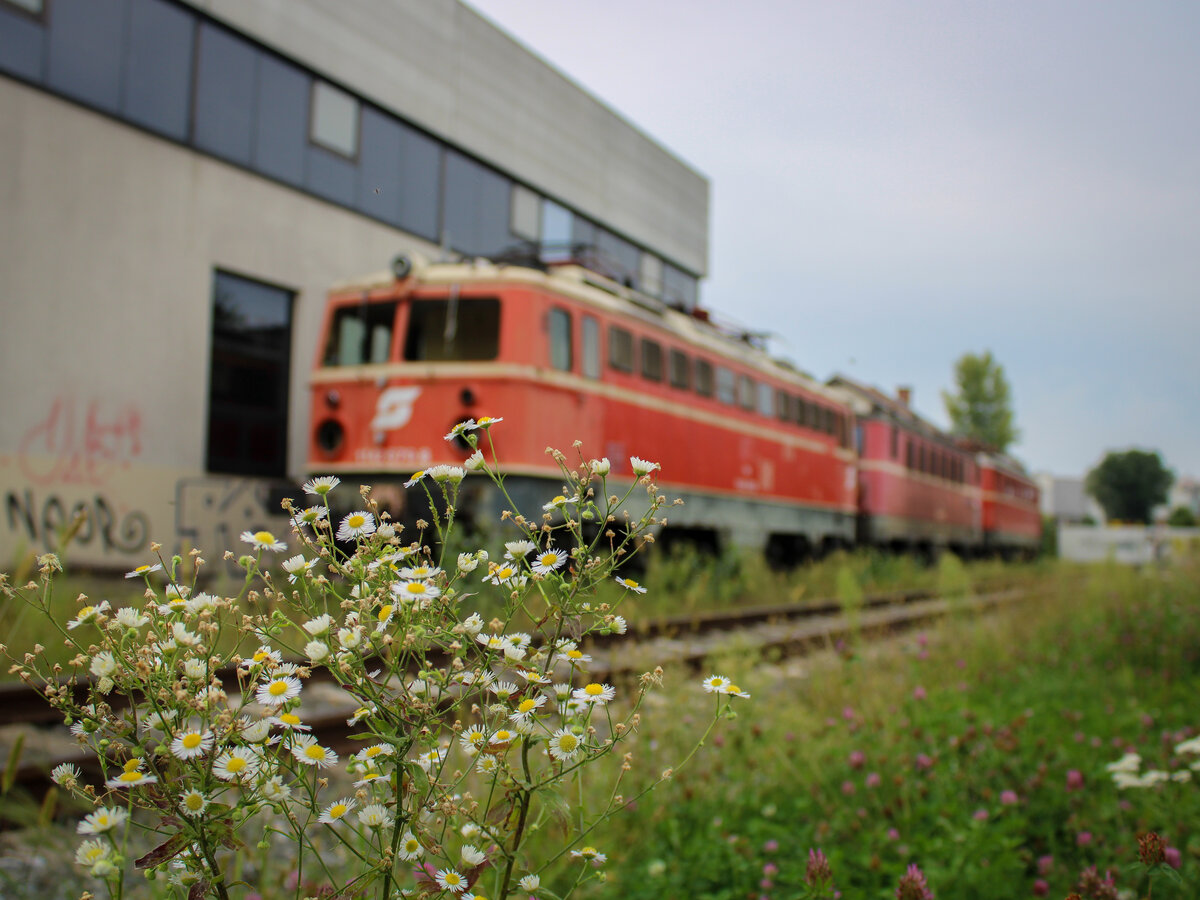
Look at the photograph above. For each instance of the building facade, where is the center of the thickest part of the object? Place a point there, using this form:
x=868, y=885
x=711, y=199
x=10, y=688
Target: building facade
x=182, y=182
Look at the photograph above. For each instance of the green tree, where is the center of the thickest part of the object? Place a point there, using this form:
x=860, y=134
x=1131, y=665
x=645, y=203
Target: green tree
x=1182, y=517
x=1129, y=485
x=981, y=407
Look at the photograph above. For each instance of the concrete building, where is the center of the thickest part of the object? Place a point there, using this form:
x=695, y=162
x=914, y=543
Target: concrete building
x=181, y=183
x=1067, y=500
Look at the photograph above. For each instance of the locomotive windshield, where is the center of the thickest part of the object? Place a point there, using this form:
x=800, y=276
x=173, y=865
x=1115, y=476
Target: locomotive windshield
x=453, y=329
x=360, y=334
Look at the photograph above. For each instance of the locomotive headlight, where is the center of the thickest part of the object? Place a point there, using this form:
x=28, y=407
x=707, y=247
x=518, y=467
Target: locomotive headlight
x=333, y=399
x=330, y=437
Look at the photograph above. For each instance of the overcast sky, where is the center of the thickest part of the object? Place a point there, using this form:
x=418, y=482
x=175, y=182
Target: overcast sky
x=896, y=183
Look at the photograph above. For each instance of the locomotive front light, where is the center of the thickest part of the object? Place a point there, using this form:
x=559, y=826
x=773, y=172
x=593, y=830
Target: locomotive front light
x=330, y=437
x=467, y=397
x=333, y=399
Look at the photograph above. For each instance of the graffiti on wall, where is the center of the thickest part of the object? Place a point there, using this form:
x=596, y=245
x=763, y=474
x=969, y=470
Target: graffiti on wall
x=80, y=443
x=41, y=519
x=211, y=513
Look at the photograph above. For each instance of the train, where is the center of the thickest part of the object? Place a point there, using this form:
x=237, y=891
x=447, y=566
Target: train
x=762, y=454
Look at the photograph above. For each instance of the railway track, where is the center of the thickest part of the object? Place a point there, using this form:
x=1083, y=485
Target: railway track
x=688, y=640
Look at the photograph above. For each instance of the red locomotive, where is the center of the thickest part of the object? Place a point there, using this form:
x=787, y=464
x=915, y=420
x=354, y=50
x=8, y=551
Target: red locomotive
x=761, y=454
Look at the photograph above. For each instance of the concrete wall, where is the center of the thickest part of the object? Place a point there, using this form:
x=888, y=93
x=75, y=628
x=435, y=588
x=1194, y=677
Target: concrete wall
x=108, y=242
x=1131, y=544
x=446, y=68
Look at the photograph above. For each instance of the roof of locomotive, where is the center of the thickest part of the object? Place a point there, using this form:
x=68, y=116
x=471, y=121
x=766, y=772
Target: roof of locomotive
x=586, y=286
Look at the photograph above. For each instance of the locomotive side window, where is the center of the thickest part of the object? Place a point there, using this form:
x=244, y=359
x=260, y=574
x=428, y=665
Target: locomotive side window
x=783, y=406
x=591, y=347
x=726, y=386
x=620, y=349
x=652, y=361
x=766, y=399
x=895, y=442
x=453, y=329
x=561, y=357
x=747, y=392
x=704, y=378
x=360, y=334
x=681, y=370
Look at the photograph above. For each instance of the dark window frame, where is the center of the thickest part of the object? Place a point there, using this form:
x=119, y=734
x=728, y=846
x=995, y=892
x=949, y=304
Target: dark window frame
x=619, y=340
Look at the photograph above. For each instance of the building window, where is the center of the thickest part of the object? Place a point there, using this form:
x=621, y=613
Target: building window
x=526, y=213
x=704, y=378
x=620, y=349
x=248, y=379
x=560, y=340
x=478, y=207
x=651, y=274
x=679, y=288
x=591, y=347
x=158, y=67
x=334, y=119
x=33, y=6
x=556, y=232
x=652, y=362
x=681, y=370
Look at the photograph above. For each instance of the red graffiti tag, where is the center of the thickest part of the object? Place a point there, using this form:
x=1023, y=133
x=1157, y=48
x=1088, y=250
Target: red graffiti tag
x=71, y=446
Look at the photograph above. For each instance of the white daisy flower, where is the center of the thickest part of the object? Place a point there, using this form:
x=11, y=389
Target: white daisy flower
x=92, y=852
x=65, y=775
x=278, y=691
x=273, y=790
x=460, y=429
x=600, y=466
x=557, y=503
x=263, y=540
x=88, y=614
x=102, y=820
x=565, y=745
x=358, y=524
x=549, y=560
x=641, y=466
x=474, y=462
x=289, y=721
x=310, y=516
x=450, y=880
x=595, y=693
x=410, y=848
x=472, y=856
x=487, y=765
x=317, y=651
x=531, y=882
x=630, y=585
x=263, y=656
x=336, y=810
x=443, y=474
x=191, y=744
x=369, y=778
x=128, y=617
x=527, y=709
x=502, y=737
x=236, y=764
x=473, y=739
x=322, y=485
x=416, y=590
x=375, y=815
x=306, y=750
x=141, y=571
x=297, y=567
x=502, y=689
x=193, y=803
x=350, y=638
x=416, y=477
x=576, y=657
x=473, y=624
x=132, y=776
x=488, y=421
x=518, y=549
x=195, y=669
x=590, y=853
x=183, y=635
x=716, y=684
x=431, y=759
x=103, y=664
x=254, y=732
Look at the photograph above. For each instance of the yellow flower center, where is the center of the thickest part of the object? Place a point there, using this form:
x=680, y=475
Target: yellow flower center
x=290, y=719
x=132, y=765
x=559, y=499
x=568, y=742
x=235, y=764
x=337, y=810
x=574, y=654
x=261, y=655
x=527, y=705
x=316, y=751
x=193, y=802
x=418, y=474
x=629, y=582
x=278, y=688
x=373, y=751
x=191, y=741
x=505, y=572
x=415, y=587
x=411, y=846
x=134, y=775
x=452, y=878
x=503, y=735
x=549, y=559
x=594, y=690
x=356, y=521
x=385, y=612
x=264, y=537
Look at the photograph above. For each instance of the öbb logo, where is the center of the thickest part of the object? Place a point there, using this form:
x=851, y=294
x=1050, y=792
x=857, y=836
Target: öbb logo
x=394, y=408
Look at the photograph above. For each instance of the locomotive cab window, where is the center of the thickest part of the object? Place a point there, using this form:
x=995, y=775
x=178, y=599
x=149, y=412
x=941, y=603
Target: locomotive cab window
x=453, y=329
x=620, y=349
x=652, y=360
x=747, y=392
x=783, y=405
x=726, y=386
x=360, y=334
x=561, y=357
